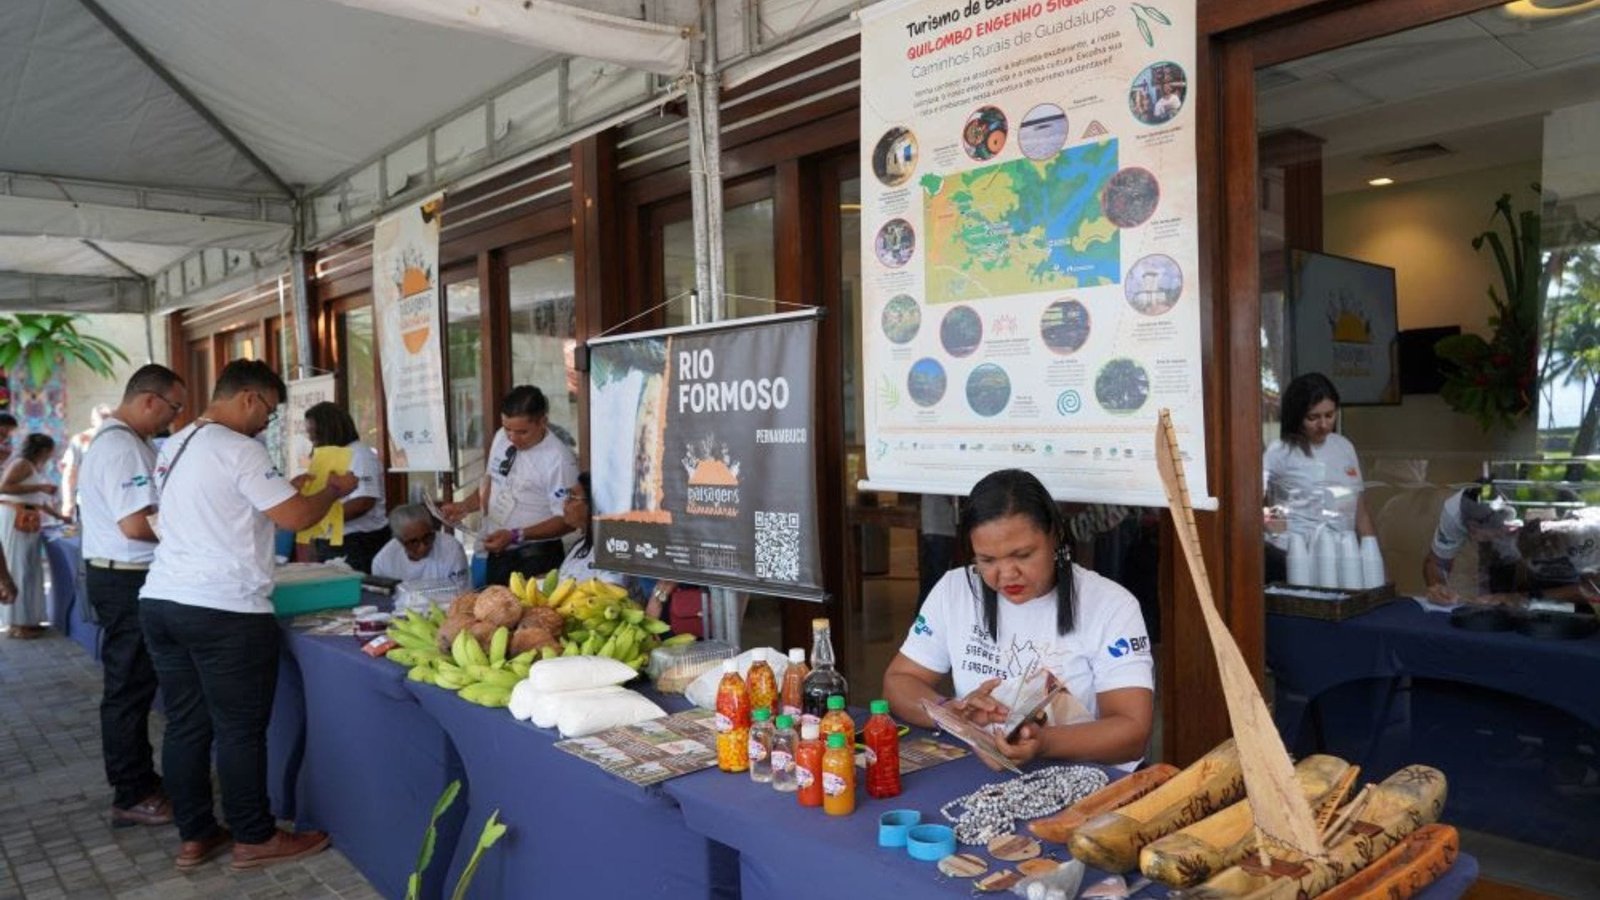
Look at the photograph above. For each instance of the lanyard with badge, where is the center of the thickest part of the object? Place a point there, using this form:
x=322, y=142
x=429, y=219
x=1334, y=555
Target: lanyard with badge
x=502, y=496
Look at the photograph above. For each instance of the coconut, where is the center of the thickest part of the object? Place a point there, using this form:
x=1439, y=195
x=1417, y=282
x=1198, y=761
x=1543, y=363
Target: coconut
x=463, y=603
x=542, y=617
x=483, y=632
x=497, y=605
x=530, y=638
x=453, y=625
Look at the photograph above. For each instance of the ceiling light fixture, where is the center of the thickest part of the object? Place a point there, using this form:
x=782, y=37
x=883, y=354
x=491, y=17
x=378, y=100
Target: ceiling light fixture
x=1380, y=182
x=1548, y=9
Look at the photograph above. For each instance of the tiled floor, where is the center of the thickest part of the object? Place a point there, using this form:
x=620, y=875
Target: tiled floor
x=55, y=840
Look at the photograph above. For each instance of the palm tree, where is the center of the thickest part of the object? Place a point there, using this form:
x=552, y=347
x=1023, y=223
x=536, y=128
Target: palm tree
x=40, y=341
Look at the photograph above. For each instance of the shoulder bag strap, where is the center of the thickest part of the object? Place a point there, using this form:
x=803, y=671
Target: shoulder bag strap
x=179, y=455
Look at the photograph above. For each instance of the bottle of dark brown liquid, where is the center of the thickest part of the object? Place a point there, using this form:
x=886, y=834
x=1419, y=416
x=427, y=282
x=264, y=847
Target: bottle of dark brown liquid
x=823, y=681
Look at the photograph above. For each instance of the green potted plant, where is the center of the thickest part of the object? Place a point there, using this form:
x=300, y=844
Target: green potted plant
x=1493, y=380
x=38, y=342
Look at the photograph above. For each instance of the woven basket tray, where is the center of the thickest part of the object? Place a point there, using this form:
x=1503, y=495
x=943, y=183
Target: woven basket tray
x=1350, y=602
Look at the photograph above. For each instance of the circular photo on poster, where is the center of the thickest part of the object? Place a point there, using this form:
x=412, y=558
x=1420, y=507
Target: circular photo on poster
x=894, y=158
x=961, y=331
x=984, y=135
x=1064, y=326
x=896, y=242
x=927, y=382
x=1122, y=386
x=1130, y=197
x=988, y=390
x=1153, y=284
x=1043, y=131
x=902, y=319
x=1158, y=92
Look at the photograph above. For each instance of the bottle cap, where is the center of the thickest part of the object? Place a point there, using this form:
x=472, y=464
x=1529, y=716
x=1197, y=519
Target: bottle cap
x=835, y=702
x=796, y=655
x=761, y=714
x=835, y=740
x=880, y=707
x=785, y=722
x=809, y=731
x=729, y=665
x=819, y=624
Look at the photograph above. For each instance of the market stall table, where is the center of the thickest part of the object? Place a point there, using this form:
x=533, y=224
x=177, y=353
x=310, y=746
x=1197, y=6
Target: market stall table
x=66, y=609
x=790, y=851
x=574, y=829
x=373, y=763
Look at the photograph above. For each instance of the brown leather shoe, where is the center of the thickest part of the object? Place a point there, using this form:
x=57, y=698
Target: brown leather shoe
x=152, y=810
x=192, y=854
x=281, y=847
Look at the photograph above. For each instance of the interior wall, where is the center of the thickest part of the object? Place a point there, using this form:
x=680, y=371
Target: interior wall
x=85, y=389
x=1425, y=231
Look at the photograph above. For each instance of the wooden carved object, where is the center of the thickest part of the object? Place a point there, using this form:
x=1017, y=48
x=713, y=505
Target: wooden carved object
x=1059, y=827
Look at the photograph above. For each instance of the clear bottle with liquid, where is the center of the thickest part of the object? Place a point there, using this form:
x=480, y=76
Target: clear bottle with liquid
x=784, y=741
x=824, y=680
x=761, y=732
x=790, y=699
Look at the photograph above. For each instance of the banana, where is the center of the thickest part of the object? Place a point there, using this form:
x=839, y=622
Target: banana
x=436, y=615
x=451, y=681
x=678, y=640
x=592, y=646
x=609, y=646
x=519, y=586
x=410, y=658
x=633, y=615
x=547, y=585
x=638, y=662
x=458, y=648
x=475, y=651
x=578, y=634
x=571, y=649
x=486, y=695
x=424, y=674
x=656, y=626
x=497, y=646
x=627, y=643
x=562, y=590
x=520, y=669
x=505, y=678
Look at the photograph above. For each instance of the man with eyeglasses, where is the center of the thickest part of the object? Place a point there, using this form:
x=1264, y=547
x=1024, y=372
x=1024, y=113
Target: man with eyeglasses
x=418, y=552
x=117, y=495
x=206, y=608
x=529, y=470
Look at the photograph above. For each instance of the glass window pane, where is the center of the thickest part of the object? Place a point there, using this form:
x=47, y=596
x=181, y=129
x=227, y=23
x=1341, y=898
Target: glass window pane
x=749, y=277
x=464, y=333
x=544, y=331
x=359, y=372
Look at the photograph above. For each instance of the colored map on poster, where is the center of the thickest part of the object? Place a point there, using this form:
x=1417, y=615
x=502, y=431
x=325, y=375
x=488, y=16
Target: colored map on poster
x=1021, y=226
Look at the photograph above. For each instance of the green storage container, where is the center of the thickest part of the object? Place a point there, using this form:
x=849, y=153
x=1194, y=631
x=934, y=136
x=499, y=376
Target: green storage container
x=296, y=591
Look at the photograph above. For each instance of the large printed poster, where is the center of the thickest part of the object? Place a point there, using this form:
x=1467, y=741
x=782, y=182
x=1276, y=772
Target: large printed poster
x=405, y=298
x=703, y=462
x=1030, y=243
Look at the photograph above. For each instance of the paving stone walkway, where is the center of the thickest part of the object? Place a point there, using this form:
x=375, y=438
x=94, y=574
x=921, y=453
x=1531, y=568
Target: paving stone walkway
x=55, y=837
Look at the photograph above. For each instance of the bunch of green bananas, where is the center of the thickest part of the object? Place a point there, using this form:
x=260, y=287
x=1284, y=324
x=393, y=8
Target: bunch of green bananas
x=615, y=627
x=477, y=676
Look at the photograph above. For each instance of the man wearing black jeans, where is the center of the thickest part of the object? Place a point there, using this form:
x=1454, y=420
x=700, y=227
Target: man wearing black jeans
x=206, y=608
x=116, y=497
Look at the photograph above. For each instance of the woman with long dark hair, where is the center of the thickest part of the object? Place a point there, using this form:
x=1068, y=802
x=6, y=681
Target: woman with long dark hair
x=24, y=495
x=1311, y=475
x=1022, y=610
x=366, y=520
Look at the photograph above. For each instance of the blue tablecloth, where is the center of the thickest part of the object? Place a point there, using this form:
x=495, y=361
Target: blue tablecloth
x=790, y=851
x=575, y=830
x=64, y=606
x=286, y=736
x=1310, y=656
x=374, y=764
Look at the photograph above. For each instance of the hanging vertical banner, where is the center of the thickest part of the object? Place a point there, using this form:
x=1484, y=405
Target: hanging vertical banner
x=1030, y=244
x=304, y=393
x=703, y=465
x=405, y=300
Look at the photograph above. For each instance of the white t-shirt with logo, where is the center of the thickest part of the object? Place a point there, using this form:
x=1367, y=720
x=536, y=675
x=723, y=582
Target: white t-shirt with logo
x=1106, y=650
x=446, y=561
x=115, y=480
x=368, y=469
x=536, y=486
x=216, y=540
x=1321, y=489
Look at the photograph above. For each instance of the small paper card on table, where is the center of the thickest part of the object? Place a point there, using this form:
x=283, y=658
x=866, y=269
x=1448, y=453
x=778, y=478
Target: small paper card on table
x=652, y=751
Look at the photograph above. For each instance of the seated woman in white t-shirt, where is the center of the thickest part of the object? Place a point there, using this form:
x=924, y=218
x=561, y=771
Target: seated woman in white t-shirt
x=1311, y=476
x=418, y=552
x=1020, y=609
x=579, y=515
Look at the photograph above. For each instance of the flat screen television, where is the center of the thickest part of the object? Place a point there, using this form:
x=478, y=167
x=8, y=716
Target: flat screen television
x=1343, y=323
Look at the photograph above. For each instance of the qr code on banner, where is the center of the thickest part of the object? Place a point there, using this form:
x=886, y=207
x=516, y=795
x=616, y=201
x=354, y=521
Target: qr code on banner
x=778, y=545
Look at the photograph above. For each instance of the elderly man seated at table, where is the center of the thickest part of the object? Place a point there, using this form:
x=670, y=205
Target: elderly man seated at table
x=418, y=552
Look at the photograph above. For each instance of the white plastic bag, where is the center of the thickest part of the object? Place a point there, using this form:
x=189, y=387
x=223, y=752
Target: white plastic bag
x=544, y=707
x=584, y=715
x=576, y=673
x=522, y=699
x=702, y=692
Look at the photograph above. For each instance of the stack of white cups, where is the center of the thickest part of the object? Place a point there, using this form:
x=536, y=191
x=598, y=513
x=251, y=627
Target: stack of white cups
x=1349, y=561
x=1372, y=574
x=1300, y=566
x=1326, y=552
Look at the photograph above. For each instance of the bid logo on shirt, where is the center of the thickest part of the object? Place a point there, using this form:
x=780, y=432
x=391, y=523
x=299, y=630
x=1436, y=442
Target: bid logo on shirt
x=1124, y=646
x=922, y=627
